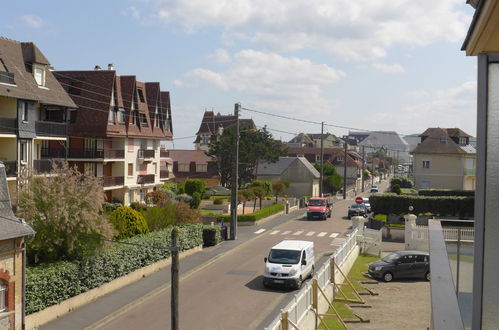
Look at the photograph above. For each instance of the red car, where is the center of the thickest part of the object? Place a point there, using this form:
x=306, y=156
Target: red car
x=319, y=207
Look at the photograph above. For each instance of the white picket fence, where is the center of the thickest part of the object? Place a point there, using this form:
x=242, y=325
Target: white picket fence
x=301, y=303
x=416, y=237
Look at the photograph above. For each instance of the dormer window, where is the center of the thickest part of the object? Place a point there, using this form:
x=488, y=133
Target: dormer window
x=6, y=77
x=443, y=139
x=39, y=73
x=141, y=95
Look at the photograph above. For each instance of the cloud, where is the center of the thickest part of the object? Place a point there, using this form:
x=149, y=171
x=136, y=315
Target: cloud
x=32, y=21
x=272, y=81
x=389, y=68
x=221, y=56
x=452, y=107
x=131, y=11
x=348, y=29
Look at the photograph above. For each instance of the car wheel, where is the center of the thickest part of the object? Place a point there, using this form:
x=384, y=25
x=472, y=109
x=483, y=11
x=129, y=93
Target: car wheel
x=299, y=283
x=427, y=276
x=387, y=277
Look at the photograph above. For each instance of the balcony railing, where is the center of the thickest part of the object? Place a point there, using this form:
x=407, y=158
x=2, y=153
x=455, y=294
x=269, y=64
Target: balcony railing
x=7, y=78
x=85, y=153
x=144, y=179
x=164, y=154
x=10, y=168
x=53, y=153
x=42, y=165
x=110, y=181
x=146, y=153
x=8, y=125
x=114, y=153
x=163, y=174
x=48, y=128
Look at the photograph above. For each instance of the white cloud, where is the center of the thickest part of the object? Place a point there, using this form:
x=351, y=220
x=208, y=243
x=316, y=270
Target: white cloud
x=221, y=56
x=349, y=29
x=32, y=21
x=131, y=11
x=389, y=68
x=273, y=81
x=452, y=107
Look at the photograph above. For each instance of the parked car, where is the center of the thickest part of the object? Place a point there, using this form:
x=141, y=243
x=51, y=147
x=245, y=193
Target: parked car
x=357, y=210
x=367, y=204
x=374, y=188
x=401, y=264
x=319, y=207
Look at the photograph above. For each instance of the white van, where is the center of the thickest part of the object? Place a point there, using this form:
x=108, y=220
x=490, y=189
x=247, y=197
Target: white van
x=289, y=263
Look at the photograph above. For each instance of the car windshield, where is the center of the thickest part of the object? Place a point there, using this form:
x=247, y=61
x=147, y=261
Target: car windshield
x=391, y=258
x=357, y=206
x=366, y=200
x=277, y=256
x=316, y=202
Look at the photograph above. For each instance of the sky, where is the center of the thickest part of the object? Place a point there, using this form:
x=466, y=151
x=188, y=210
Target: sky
x=355, y=65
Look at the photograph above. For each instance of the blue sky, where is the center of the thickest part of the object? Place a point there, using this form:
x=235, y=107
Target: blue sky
x=375, y=65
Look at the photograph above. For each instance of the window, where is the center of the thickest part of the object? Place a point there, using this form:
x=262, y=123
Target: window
x=72, y=116
x=462, y=141
x=121, y=115
x=206, y=140
x=157, y=120
x=89, y=169
x=426, y=164
x=111, y=116
x=183, y=167
x=39, y=74
x=24, y=110
x=23, y=151
x=135, y=117
x=143, y=120
x=141, y=95
x=443, y=139
x=130, y=169
x=317, y=158
x=201, y=168
x=340, y=158
x=3, y=296
x=142, y=195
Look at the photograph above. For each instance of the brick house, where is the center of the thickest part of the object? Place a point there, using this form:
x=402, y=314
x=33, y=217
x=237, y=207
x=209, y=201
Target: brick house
x=212, y=125
x=13, y=235
x=33, y=110
x=116, y=131
x=194, y=164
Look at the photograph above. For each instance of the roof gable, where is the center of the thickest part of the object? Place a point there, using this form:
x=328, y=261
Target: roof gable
x=438, y=141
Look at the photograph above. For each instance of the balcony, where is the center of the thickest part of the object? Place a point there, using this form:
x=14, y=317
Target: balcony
x=8, y=125
x=145, y=179
x=164, y=174
x=111, y=181
x=48, y=128
x=53, y=153
x=10, y=168
x=7, y=78
x=114, y=153
x=164, y=154
x=85, y=153
x=42, y=165
x=146, y=153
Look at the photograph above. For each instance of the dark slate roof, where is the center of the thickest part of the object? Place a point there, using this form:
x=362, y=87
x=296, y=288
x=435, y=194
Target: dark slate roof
x=18, y=58
x=188, y=156
x=283, y=164
x=438, y=141
x=302, y=138
x=211, y=123
x=10, y=225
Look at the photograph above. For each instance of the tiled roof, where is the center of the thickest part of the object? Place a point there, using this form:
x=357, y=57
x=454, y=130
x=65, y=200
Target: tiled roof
x=188, y=156
x=438, y=141
x=386, y=139
x=18, y=58
x=211, y=122
x=10, y=225
x=279, y=167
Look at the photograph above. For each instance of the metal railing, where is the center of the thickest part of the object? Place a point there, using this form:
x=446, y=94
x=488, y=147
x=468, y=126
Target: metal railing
x=42, y=165
x=114, y=153
x=8, y=125
x=301, y=303
x=96, y=153
x=144, y=179
x=164, y=154
x=146, y=153
x=110, y=181
x=48, y=128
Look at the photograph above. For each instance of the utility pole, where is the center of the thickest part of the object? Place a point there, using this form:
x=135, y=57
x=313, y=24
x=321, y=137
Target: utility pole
x=175, y=279
x=235, y=176
x=322, y=159
x=363, y=165
x=345, y=171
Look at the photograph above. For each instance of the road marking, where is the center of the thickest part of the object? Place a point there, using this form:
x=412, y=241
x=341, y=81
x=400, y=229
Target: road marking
x=274, y=232
x=286, y=232
x=334, y=235
x=260, y=231
x=310, y=233
x=298, y=232
x=322, y=234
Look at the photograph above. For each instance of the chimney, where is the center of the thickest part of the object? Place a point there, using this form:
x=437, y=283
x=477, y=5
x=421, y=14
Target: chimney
x=110, y=67
x=97, y=68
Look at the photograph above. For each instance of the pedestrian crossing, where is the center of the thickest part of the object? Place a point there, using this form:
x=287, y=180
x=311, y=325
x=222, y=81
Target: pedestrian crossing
x=298, y=233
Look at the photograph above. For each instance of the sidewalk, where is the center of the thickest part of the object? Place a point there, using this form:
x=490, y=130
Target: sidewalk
x=114, y=303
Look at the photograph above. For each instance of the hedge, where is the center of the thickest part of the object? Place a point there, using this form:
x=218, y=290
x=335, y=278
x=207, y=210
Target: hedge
x=255, y=216
x=49, y=284
x=390, y=203
x=211, y=235
x=446, y=192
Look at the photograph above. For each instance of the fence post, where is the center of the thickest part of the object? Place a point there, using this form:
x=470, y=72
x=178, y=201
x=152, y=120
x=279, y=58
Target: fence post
x=284, y=320
x=331, y=267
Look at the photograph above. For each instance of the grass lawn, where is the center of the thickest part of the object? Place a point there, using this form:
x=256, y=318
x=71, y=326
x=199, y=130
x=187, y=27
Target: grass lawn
x=354, y=276
x=409, y=191
x=208, y=212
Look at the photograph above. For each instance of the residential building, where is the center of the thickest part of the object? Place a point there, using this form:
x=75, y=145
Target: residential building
x=194, y=164
x=444, y=159
x=389, y=142
x=302, y=176
x=314, y=140
x=213, y=124
x=13, y=236
x=33, y=110
x=116, y=131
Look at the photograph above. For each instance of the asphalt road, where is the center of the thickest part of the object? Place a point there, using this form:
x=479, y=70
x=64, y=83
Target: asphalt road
x=228, y=294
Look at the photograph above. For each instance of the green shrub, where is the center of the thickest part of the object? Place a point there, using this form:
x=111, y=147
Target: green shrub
x=110, y=207
x=194, y=185
x=211, y=235
x=381, y=217
x=402, y=181
x=128, y=222
x=184, y=214
x=138, y=206
x=157, y=197
x=446, y=192
x=218, y=201
x=158, y=218
x=183, y=198
x=205, y=196
x=196, y=200
x=396, y=189
x=49, y=284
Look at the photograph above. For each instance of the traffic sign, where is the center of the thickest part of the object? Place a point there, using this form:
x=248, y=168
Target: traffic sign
x=359, y=200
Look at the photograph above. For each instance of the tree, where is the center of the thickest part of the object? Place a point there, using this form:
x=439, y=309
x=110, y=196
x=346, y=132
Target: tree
x=194, y=185
x=65, y=209
x=244, y=196
x=332, y=180
x=196, y=200
x=259, y=193
x=254, y=146
x=278, y=188
x=266, y=189
x=128, y=222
